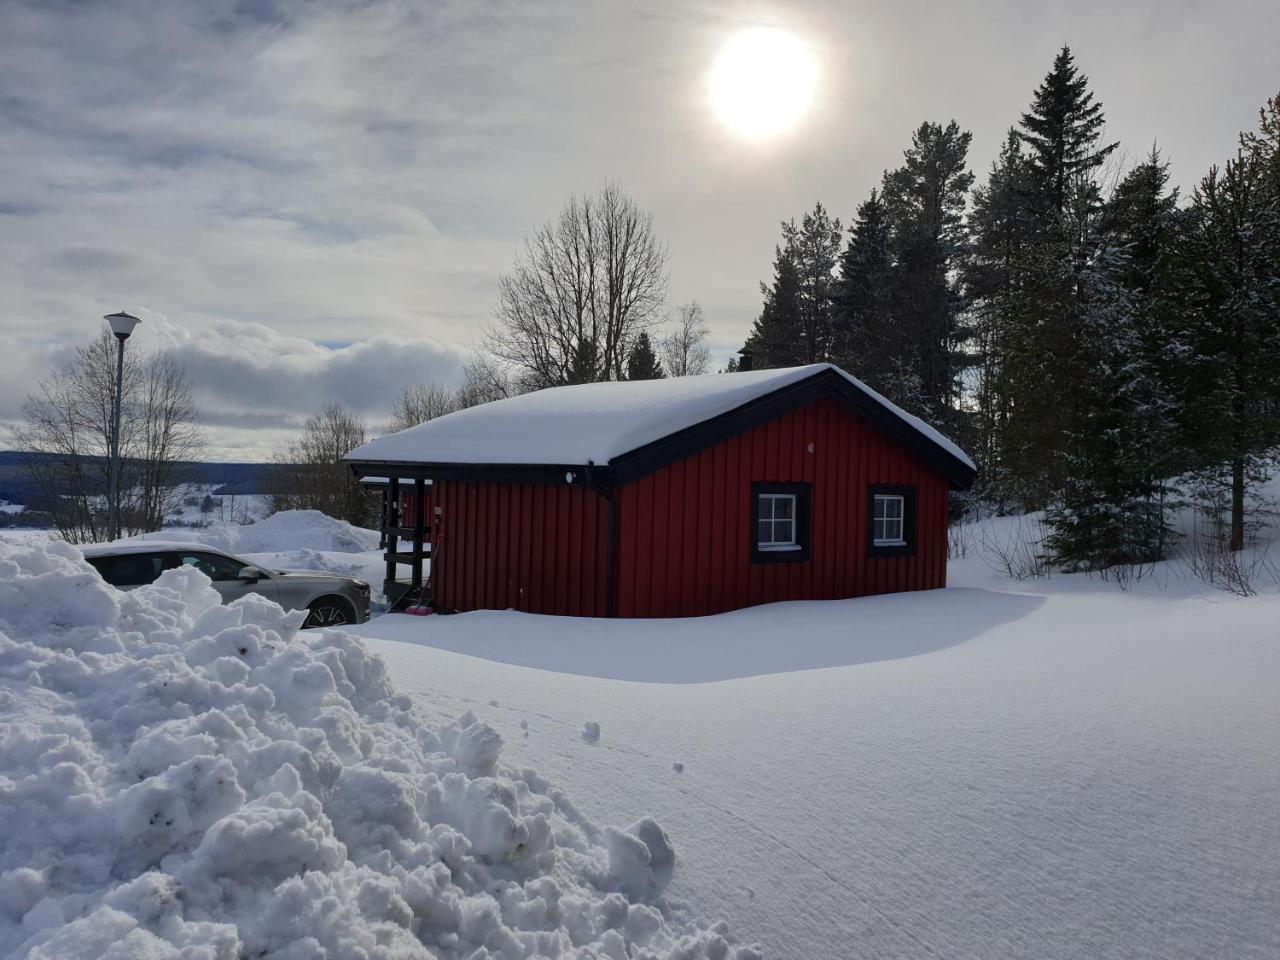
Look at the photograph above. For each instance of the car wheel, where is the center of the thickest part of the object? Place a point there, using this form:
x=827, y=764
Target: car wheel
x=328, y=612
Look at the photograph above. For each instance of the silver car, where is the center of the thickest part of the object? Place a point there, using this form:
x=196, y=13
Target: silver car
x=329, y=599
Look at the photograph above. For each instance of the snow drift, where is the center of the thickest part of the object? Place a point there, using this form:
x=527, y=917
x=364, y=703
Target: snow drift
x=287, y=530
x=184, y=779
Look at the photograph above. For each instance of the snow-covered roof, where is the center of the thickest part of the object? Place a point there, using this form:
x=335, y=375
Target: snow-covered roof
x=116, y=547
x=598, y=422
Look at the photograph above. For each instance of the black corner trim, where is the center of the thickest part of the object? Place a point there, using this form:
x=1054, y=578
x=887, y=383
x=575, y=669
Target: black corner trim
x=804, y=525
x=908, y=494
x=825, y=383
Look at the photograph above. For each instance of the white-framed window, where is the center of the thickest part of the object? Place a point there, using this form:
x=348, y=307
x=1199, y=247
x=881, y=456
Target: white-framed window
x=888, y=511
x=776, y=521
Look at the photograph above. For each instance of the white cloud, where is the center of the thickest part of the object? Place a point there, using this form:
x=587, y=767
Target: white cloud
x=254, y=385
x=364, y=171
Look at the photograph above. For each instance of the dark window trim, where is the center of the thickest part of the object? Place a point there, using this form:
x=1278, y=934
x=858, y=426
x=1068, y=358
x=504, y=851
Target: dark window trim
x=803, y=492
x=908, y=494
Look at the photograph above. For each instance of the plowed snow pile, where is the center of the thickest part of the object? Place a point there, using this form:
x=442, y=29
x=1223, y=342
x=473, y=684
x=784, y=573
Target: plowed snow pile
x=183, y=779
x=287, y=530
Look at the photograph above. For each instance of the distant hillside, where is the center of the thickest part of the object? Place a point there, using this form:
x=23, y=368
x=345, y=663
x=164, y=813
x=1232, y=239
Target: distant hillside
x=229, y=478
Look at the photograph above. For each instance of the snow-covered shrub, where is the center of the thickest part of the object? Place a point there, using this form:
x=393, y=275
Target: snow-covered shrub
x=1014, y=546
x=184, y=779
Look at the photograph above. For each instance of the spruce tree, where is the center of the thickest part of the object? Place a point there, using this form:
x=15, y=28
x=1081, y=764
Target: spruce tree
x=796, y=324
x=1045, y=362
x=776, y=334
x=865, y=341
x=1099, y=517
x=999, y=234
x=1062, y=130
x=1121, y=445
x=642, y=362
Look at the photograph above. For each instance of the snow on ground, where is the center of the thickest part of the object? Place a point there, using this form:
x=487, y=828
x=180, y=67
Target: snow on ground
x=198, y=505
x=187, y=779
x=1041, y=769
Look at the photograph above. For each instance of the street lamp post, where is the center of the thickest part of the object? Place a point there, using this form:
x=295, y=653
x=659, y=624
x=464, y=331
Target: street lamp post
x=122, y=325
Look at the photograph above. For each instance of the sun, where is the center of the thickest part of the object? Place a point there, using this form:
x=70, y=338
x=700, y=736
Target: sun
x=762, y=82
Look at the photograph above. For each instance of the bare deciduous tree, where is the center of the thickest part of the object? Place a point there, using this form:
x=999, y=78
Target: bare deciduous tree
x=67, y=422
x=165, y=440
x=420, y=403
x=483, y=380
x=684, y=351
x=310, y=473
x=588, y=283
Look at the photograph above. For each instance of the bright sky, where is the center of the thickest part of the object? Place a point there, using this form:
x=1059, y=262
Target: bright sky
x=315, y=200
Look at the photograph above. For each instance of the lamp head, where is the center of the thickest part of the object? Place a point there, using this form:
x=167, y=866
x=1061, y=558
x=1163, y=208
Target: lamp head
x=122, y=324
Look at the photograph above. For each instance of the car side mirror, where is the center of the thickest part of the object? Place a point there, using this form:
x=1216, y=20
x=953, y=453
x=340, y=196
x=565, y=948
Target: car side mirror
x=252, y=574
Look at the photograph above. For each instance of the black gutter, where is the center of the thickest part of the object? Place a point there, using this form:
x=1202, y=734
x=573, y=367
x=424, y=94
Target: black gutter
x=606, y=491
x=540, y=473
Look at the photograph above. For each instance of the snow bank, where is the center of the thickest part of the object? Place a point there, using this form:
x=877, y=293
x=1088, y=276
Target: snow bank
x=185, y=779
x=289, y=530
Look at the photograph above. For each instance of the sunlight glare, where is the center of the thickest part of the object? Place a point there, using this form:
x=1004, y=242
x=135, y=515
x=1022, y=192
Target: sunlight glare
x=762, y=82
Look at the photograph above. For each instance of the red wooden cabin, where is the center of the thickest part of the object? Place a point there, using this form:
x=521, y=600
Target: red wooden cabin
x=669, y=498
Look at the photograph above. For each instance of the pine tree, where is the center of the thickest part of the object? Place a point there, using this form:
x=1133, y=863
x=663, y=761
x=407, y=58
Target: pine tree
x=642, y=362
x=925, y=200
x=815, y=246
x=1232, y=316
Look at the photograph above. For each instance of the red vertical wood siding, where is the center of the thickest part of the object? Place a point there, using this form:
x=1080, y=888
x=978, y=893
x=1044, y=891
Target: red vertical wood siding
x=683, y=545
x=684, y=536
x=533, y=547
